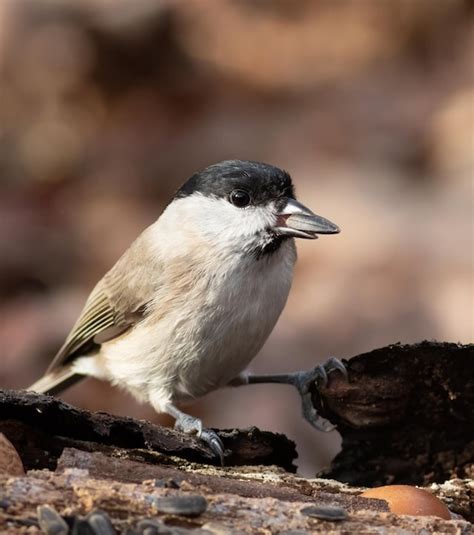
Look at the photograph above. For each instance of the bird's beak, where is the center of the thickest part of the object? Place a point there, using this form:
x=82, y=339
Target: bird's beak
x=297, y=221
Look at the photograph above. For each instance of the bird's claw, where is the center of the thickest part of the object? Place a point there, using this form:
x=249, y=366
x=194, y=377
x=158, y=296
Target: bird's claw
x=193, y=426
x=333, y=364
x=305, y=381
x=320, y=373
x=212, y=439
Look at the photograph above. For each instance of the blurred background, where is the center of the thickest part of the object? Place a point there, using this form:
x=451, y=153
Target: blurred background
x=107, y=106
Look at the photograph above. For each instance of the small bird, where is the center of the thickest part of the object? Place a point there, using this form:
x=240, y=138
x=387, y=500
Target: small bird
x=196, y=295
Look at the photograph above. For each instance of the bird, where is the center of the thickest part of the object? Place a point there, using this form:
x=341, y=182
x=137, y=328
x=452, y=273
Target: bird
x=193, y=299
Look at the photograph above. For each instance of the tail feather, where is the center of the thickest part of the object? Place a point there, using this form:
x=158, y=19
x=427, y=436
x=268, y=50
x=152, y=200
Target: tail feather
x=56, y=381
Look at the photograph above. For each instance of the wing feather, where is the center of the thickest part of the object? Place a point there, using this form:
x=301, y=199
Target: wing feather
x=98, y=315
x=117, y=303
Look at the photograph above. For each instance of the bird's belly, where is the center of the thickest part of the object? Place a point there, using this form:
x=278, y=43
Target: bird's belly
x=185, y=361
x=219, y=358
x=189, y=351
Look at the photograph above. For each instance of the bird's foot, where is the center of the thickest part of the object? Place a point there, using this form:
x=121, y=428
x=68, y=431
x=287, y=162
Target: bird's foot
x=319, y=374
x=305, y=381
x=193, y=426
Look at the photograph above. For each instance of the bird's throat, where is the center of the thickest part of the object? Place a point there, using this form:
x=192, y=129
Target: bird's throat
x=269, y=244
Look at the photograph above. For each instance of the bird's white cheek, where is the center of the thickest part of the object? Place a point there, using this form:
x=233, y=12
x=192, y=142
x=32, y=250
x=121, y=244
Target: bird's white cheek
x=230, y=224
x=215, y=221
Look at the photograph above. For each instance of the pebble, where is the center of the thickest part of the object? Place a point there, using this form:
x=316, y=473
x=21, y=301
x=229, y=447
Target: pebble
x=325, y=512
x=50, y=521
x=191, y=505
x=10, y=462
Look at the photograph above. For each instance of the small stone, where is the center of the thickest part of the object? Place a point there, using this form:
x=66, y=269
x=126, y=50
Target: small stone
x=325, y=512
x=10, y=462
x=100, y=523
x=51, y=522
x=192, y=505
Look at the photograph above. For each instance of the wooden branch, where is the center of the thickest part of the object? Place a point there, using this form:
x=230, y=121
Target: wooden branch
x=41, y=426
x=405, y=416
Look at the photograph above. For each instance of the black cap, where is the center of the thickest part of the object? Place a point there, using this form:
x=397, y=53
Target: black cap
x=263, y=182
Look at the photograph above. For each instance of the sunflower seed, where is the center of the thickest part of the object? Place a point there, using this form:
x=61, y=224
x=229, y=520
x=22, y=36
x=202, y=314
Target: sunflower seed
x=100, y=523
x=81, y=527
x=193, y=505
x=325, y=512
x=150, y=526
x=50, y=521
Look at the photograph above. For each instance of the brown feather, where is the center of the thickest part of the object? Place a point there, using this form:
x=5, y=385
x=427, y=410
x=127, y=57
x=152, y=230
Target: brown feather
x=116, y=303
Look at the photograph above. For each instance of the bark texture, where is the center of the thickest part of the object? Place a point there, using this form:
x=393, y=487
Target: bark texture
x=405, y=415
x=41, y=426
x=74, y=494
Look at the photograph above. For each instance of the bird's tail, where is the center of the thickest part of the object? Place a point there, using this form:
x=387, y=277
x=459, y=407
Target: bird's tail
x=56, y=381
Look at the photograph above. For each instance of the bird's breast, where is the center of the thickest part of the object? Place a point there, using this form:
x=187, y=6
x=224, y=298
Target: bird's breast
x=199, y=338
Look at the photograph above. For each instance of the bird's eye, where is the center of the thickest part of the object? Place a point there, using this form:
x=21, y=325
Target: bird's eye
x=239, y=198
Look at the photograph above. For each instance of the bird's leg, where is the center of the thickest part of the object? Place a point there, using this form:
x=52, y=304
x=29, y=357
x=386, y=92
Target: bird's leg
x=303, y=382
x=193, y=426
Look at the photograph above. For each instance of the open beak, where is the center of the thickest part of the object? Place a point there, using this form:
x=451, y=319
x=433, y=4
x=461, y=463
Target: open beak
x=297, y=221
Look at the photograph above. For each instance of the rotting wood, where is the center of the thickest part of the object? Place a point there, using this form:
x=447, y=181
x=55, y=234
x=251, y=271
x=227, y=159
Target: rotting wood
x=405, y=416
x=121, y=466
x=74, y=493
x=239, y=481
x=41, y=426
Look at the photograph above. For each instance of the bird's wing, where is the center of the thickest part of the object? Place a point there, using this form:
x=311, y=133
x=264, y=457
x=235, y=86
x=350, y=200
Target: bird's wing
x=117, y=303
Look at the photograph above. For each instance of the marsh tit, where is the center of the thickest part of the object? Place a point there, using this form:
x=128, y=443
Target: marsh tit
x=194, y=298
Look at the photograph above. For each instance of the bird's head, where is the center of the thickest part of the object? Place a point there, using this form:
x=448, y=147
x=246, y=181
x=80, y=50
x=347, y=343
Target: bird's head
x=248, y=206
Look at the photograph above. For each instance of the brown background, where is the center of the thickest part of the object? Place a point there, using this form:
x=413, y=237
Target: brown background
x=107, y=106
